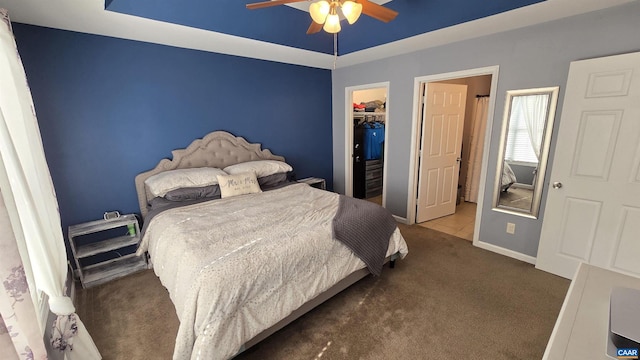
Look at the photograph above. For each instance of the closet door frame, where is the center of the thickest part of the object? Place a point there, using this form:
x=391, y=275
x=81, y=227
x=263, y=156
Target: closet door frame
x=348, y=131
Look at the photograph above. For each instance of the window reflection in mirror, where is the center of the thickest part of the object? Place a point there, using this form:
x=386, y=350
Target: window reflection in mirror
x=524, y=146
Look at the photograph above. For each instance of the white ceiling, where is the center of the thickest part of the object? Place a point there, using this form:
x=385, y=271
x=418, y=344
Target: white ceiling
x=89, y=16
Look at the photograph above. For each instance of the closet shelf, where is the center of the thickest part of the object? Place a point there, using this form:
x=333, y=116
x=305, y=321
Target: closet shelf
x=370, y=113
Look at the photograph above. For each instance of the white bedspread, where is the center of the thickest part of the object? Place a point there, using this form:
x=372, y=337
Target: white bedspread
x=508, y=176
x=236, y=266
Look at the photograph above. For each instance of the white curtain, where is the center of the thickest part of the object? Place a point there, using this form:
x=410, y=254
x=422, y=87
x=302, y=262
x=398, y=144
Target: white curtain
x=33, y=207
x=476, y=143
x=533, y=110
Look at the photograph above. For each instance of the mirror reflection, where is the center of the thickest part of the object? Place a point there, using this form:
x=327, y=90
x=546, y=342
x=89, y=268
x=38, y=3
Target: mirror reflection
x=524, y=147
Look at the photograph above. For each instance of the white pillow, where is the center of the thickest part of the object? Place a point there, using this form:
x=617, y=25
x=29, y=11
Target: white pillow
x=160, y=184
x=259, y=167
x=238, y=184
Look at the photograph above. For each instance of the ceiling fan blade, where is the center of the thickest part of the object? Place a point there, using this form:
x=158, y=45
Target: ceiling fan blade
x=376, y=11
x=314, y=28
x=265, y=4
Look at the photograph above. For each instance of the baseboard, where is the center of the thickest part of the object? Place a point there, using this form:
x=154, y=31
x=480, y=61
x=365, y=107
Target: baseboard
x=71, y=283
x=505, y=252
x=72, y=292
x=522, y=186
x=401, y=220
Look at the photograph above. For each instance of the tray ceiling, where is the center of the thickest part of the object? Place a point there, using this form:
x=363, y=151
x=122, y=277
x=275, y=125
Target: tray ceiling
x=279, y=33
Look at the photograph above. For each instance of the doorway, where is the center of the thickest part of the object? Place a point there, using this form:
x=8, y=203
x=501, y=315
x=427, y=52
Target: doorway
x=366, y=138
x=464, y=219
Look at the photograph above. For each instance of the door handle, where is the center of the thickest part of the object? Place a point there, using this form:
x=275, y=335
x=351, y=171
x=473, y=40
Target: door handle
x=459, y=159
x=557, y=185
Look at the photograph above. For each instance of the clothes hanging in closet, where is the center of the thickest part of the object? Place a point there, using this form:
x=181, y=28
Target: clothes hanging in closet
x=373, y=140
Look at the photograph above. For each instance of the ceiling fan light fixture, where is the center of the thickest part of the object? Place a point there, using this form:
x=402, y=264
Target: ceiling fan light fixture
x=326, y=14
x=351, y=10
x=319, y=11
x=332, y=25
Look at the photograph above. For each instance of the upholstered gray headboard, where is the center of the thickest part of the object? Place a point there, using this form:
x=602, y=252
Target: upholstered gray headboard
x=218, y=149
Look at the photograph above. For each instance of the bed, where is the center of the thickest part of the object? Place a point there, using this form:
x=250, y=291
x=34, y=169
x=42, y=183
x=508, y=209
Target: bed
x=508, y=177
x=239, y=268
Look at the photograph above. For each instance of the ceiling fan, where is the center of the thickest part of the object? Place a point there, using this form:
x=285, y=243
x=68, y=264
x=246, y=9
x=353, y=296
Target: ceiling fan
x=325, y=13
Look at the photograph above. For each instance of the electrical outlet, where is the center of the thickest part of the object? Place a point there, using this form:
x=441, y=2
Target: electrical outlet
x=511, y=228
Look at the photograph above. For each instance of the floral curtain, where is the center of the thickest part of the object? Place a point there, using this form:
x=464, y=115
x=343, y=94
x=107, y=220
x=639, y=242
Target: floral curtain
x=18, y=340
x=31, y=203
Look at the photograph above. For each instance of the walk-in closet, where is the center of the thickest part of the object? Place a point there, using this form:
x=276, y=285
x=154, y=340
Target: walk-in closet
x=369, y=119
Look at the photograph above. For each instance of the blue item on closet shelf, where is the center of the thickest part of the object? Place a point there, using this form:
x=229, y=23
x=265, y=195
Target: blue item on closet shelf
x=373, y=125
x=373, y=140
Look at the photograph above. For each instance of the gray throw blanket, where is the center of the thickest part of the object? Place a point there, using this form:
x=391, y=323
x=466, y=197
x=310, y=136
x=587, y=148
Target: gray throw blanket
x=365, y=228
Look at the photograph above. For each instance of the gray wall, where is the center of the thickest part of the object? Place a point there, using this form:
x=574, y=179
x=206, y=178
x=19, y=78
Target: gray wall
x=536, y=56
x=523, y=173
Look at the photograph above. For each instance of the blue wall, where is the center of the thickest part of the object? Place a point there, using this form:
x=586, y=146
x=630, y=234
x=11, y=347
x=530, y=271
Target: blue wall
x=109, y=109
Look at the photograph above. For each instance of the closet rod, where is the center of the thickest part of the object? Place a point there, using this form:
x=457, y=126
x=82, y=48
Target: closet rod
x=479, y=96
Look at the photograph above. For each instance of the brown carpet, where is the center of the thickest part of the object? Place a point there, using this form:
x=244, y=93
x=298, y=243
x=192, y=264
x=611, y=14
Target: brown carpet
x=446, y=300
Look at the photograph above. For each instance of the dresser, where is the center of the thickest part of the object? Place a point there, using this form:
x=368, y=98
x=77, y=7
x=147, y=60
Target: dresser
x=373, y=178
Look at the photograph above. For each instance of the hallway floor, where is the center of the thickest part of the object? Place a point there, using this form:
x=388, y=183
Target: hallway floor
x=460, y=224
x=377, y=200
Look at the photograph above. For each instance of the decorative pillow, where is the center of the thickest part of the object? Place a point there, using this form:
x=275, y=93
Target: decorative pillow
x=194, y=193
x=260, y=167
x=159, y=184
x=238, y=184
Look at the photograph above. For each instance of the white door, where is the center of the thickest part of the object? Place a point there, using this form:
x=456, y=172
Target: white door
x=441, y=143
x=593, y=206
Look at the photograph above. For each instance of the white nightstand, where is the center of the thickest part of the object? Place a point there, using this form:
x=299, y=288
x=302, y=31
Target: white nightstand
x=315, y=182
x=105, y=240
